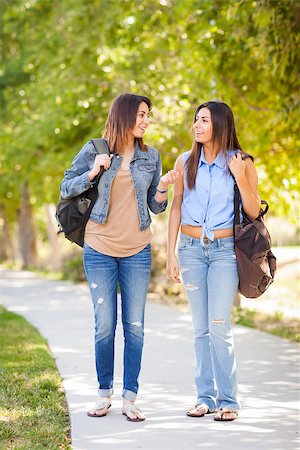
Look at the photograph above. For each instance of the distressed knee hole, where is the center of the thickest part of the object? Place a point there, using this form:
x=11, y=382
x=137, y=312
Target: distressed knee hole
x=218, y=322
x=137, y=324
x=94, y=285
x=100, y=301
x=191, y=287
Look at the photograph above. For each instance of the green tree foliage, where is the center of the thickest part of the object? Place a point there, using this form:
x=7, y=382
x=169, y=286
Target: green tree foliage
x=63, y=62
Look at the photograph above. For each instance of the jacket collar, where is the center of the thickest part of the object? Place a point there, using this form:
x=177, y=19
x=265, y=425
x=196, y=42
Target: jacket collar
x=138, y=153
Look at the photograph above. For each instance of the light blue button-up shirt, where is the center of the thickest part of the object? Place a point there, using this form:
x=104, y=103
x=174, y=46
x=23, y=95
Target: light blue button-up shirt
x=210, y=204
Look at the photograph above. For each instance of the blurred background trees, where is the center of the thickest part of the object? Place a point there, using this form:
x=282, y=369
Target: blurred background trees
x=62, y=63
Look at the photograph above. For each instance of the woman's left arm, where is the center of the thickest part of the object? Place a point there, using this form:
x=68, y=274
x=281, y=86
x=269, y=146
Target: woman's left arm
x=157, y=200
x=246, y=178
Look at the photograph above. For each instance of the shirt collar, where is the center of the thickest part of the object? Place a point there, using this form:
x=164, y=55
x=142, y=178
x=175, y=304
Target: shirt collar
x=202, y=159
x=219, y=161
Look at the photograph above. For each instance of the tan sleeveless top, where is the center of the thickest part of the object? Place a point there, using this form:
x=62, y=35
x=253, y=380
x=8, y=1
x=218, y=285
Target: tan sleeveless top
x=120, y=235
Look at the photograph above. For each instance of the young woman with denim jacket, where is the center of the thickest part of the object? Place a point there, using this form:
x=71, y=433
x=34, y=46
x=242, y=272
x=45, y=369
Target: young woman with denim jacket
x=203, y=208
x=117, y=240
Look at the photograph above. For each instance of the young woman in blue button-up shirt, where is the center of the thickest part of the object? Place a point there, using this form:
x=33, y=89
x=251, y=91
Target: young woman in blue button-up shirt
x=203, y=208
x=117, y=240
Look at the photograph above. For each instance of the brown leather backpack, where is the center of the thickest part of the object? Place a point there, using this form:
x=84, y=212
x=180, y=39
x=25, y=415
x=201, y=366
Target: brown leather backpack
x=255, y=260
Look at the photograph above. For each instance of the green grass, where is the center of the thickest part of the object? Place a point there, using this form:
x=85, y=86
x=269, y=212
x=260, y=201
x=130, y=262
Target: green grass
x=33, y=411
x=274, y=323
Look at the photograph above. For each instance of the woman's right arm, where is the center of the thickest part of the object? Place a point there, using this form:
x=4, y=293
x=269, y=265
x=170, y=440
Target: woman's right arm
x=174, y=223
x=85, y=167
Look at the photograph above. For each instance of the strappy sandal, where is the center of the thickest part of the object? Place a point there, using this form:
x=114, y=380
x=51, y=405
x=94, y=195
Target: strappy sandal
x=133, y=409
x=198, y=408
x=219, y=416
x=99, y=406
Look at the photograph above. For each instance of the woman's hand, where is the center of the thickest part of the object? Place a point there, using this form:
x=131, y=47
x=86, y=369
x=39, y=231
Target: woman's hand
x=173, y=269
x=100, y=161
x=237, y=166
x=169, y=178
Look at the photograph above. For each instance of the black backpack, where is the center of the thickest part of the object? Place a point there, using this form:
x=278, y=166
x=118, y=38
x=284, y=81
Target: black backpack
x=73, y=214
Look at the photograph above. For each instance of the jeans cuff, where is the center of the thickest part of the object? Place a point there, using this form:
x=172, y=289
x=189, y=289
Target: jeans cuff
x=209, y=403
x=230, y=406
x=129, y=395
x=105, y=392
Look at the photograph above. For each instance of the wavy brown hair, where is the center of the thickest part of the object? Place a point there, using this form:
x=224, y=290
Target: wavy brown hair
x=223, y=136
x=121, y=119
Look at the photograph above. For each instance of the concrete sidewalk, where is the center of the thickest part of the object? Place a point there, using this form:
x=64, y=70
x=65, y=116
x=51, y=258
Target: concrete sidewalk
x=268, y=370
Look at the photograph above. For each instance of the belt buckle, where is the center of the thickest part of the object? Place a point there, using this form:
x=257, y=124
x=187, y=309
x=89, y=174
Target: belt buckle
x=206, y=240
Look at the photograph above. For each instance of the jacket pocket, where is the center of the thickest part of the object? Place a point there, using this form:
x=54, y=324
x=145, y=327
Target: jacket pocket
x=147, y=167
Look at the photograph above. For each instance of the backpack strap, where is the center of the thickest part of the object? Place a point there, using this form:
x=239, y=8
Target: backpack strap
x=102, y=148
x=237, y=217
x=237, y=196
x=245, y=155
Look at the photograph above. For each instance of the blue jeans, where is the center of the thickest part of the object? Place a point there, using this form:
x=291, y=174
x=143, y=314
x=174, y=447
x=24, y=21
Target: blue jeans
x=210, y=280
x=103, y=275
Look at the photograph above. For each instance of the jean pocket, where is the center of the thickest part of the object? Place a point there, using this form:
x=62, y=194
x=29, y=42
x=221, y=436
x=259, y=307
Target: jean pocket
x=182, y=244
x=87, y=248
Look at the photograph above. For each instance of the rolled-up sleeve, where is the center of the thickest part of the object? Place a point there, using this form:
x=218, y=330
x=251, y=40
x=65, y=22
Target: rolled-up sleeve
x=156, y=207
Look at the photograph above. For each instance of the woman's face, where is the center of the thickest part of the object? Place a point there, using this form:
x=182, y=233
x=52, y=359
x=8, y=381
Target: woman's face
x=142, y=121
x=203, y=126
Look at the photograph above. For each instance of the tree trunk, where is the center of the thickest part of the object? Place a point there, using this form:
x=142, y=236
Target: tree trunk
x=55, y=253
x=27, y=232
x=6, y=246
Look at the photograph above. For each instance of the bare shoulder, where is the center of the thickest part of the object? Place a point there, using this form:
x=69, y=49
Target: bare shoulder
x=179, y=164
x=250, y=168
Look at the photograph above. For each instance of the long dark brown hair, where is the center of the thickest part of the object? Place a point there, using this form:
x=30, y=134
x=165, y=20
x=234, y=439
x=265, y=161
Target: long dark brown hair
x=121, y=119
x=223, y=136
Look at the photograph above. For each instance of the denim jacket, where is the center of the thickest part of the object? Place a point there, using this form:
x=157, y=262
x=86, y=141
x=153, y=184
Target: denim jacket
x=145, y=169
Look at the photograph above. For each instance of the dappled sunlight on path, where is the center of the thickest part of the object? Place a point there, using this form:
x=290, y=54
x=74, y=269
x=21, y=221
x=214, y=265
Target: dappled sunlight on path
x=268, y=373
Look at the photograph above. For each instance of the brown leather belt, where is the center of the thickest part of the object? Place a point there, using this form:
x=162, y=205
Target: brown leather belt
x=196, y=232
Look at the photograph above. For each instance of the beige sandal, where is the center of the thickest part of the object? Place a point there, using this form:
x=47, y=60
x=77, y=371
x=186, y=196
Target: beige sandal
x=101, y=405
x=199, y=410
x=133, y=409
x=219, y=417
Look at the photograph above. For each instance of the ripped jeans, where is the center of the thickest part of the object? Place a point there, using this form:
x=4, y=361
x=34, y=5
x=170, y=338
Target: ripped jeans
x=210, y=280
x=103, y=274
